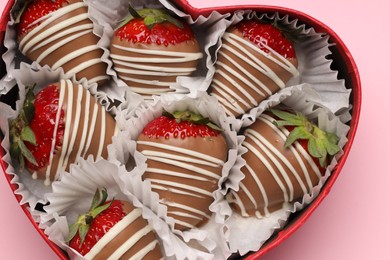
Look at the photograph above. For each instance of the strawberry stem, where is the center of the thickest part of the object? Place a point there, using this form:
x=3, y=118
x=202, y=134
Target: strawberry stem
x=193, y=118
x=321, y=144
x=21, y=132
x=83, y=222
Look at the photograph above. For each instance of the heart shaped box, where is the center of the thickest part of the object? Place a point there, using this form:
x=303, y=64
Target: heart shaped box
x=342, y=62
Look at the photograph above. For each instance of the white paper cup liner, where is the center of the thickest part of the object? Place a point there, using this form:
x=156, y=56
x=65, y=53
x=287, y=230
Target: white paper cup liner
x=32, y=191
x=125, y=148
x=298, y=98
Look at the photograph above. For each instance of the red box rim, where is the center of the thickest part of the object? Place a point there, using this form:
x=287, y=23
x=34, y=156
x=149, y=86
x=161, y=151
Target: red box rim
x=351, y=75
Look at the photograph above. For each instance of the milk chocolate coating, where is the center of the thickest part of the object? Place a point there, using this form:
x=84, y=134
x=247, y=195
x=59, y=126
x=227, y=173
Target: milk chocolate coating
x=127, y=233
x=248, y=73
x=188, y=205
x=150, y=77
x=68, y=46
x=269, y=182
x=88, y=129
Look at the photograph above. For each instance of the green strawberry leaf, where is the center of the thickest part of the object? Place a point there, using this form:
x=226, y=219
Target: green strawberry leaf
x=83, y=231
x=73, y=229
x=26, y=152
x=321, y=144
x=298, y=133
x=28, y=135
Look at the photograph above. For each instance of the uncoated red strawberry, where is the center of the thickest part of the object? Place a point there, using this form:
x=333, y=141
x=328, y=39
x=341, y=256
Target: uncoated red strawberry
x=185, y=154
x=123, y=222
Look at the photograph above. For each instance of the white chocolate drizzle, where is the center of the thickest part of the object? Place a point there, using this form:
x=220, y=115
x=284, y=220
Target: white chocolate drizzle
x=228, y=94
x=276, y=164
x=129, y=243
x=177, y=160
x=45, y=35
x=77, y=111
x=142, y=74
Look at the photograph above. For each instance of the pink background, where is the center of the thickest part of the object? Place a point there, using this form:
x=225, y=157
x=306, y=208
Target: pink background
x=352, y=222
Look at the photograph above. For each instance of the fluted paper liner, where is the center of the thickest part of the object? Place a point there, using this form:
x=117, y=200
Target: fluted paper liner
x=206, y=106
x=32, y=191
x=72, y=196
x=249, y=234
x=316, y=87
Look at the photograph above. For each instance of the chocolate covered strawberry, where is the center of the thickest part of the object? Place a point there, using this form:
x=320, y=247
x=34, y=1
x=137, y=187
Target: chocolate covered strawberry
x=113, y=230
x=287, y=155
x=185, y=154
x=256, y=59
x=57, y=126
x=150, y=49
x=58, y=33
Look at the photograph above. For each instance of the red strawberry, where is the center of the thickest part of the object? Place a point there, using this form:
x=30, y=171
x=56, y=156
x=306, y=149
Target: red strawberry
x=154, y=26
x=185, y=154
x=256, y=60
x=287, y=155
x=151, y=48
x=34, y=10
x=259, y=33
x=59, y=33
x=86, y=235
x=80, y=128
x=35, y=126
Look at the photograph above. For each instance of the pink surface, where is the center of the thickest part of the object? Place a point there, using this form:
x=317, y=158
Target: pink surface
x=343, y=226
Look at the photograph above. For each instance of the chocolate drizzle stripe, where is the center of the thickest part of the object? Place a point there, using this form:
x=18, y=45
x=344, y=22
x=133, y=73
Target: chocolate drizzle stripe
x=269, y=167
x=180, y=158
x=283, y=133
x=173, y=190
x=176, y=174
x=98, y=78
x=187, y=166
x=277, y=158
x=142, y=253
x=227, y=102
x=113, y=232
x=130, y=242
x=183, y=214
x=188, y=56
x=84, y=130
x=185, y=207
x=56, y=36
x=255, y=63
x=75, y=126
x=184, y=151
x=54, y=47
x=239, y=75
x=115, y=58
x=91, y=128
x=68, y=120
x=83, y=65
x=60, y=104
x=48, y=19
x=183, y=223
x=280, y=60
x=182, y=186
x=154, y=82
x=237, y=200
x=149, y=73
x=102, y=133
x=222, y=88
x=73, y=55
